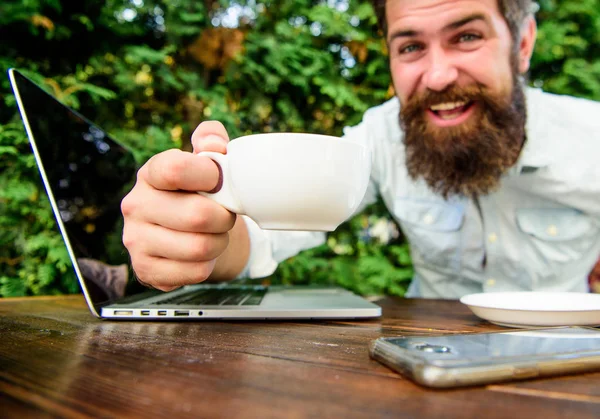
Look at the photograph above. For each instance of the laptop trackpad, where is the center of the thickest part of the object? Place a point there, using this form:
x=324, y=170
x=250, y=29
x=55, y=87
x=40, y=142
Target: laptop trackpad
x=311, y=298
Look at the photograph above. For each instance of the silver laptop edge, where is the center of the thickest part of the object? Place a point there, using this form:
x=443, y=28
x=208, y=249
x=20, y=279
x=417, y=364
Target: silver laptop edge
x=280, y=302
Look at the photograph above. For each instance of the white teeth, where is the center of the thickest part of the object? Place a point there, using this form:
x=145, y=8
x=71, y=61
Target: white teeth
x=447, y=106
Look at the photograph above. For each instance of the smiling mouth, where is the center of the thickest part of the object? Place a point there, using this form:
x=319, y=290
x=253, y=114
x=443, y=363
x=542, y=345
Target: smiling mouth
x=450, y=110
x=450, y=114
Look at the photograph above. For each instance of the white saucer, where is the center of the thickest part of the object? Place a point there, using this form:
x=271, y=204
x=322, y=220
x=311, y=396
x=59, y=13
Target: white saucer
x=536, y=309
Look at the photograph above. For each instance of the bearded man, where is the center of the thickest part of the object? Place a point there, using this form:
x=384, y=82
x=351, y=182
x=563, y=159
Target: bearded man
x=495, y=185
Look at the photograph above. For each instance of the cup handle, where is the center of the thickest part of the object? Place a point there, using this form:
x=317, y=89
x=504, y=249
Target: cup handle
x=226, y=196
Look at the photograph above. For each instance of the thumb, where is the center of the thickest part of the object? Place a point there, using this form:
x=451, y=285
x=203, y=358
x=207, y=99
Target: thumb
x=210, y=136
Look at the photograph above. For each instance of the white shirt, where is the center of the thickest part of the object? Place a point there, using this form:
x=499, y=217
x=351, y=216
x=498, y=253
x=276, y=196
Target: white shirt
x=540, y=230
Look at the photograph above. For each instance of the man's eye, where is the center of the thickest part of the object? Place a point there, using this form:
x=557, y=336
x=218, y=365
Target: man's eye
x=410, y=48
x=468, y=37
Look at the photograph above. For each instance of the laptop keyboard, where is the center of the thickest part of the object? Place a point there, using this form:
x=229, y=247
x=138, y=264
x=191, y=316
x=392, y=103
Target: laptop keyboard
x=219, y=297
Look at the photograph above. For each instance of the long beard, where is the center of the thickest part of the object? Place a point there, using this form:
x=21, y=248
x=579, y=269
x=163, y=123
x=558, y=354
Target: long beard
x=470, y=158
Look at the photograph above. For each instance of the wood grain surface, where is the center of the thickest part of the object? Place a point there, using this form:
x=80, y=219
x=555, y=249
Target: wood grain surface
x=56, y=360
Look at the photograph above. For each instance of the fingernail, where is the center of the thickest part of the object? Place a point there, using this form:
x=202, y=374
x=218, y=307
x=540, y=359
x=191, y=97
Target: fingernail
x=213, y=137
x=211, y=142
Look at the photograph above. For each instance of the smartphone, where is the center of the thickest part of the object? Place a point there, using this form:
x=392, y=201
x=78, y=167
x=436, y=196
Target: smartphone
x=481, y=358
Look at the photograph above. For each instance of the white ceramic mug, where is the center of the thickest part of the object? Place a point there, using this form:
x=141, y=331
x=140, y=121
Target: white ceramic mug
x=293, y=181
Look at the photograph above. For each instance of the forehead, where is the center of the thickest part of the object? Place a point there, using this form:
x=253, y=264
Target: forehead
x=432, y=13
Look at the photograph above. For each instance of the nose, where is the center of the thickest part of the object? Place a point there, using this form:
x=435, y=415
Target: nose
x=441, y=72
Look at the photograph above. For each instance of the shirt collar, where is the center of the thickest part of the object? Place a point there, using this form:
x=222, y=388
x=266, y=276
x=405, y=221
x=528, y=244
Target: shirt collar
x=540, y=148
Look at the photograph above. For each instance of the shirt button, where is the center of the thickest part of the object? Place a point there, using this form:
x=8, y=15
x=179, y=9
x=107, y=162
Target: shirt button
x=428, y=219
x=492, y=238
x=491, y=282
x=552, y=230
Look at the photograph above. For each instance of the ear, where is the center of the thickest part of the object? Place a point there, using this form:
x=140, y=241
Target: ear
x=528, y=35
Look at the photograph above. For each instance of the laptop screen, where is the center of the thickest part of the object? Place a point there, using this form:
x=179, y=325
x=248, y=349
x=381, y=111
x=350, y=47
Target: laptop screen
x=87, y=175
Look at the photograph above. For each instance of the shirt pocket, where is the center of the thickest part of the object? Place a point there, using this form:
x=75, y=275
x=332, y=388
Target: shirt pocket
x=432, y=229
x=559, y=235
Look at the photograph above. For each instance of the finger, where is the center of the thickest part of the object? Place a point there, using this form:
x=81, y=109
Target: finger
x=210, y=136
x=181, y=211
x=161, y=242
x=174, y=170
x=167, y=275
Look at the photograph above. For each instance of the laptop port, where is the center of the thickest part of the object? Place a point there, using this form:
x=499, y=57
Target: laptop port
x=145, y=312
x=162, y=312
x=123, y=312
x=182, y=313
x=200, y=313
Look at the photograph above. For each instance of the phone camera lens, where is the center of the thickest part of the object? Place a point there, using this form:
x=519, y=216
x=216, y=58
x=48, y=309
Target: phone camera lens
x=438, y=349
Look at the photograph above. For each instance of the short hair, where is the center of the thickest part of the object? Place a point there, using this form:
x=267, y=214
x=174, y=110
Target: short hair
x=514, y=11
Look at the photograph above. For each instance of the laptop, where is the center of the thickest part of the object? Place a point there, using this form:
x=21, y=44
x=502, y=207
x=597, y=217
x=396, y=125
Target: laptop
x=86, y=174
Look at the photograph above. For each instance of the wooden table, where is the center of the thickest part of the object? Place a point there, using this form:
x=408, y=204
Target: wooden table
x=56, y=360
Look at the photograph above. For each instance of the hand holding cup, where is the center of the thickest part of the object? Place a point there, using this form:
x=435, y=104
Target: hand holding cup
x=175, y=236
x=180, y=223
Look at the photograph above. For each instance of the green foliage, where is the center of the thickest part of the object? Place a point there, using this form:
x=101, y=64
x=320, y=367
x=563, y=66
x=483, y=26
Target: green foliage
x=567, y=54
x=150, y=71
x=33, y=258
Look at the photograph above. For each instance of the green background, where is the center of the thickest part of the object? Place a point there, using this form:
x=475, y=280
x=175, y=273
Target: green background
x=149, y=71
